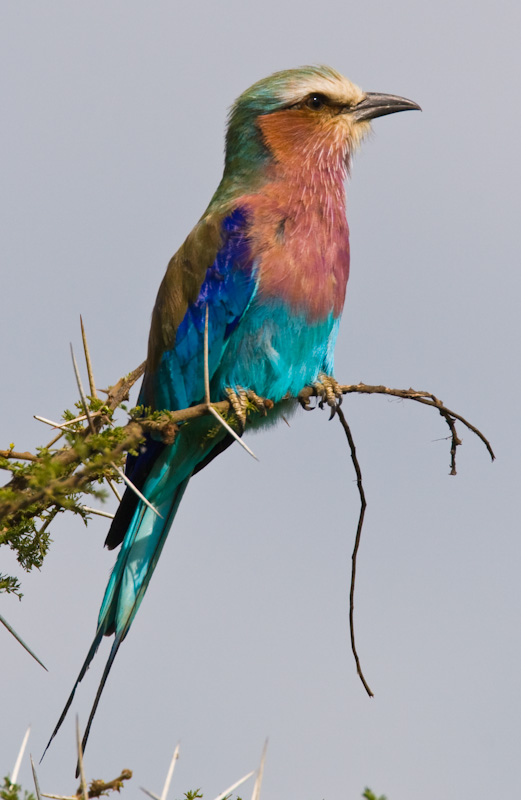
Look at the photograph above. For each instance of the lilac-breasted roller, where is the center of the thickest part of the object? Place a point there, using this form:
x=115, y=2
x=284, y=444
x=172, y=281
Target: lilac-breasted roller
x=264, y=271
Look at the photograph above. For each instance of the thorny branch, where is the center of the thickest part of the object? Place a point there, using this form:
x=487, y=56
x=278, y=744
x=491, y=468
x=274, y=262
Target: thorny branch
x=84, y=461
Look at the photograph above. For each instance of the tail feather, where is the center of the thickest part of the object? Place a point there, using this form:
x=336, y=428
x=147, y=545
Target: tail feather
x=113, y=652
x=90, y=655
x=145, y=533
x=127, y=586
x=125, y=614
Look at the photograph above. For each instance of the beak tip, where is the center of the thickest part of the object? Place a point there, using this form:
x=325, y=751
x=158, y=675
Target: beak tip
x=375, y=105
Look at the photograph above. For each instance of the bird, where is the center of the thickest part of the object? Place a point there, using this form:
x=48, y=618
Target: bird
x=252, y=300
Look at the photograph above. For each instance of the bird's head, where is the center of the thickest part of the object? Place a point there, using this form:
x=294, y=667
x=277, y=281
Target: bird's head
x=310, y=115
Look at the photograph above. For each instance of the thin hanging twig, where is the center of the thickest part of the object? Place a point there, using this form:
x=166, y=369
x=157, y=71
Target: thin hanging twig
x=363, y=506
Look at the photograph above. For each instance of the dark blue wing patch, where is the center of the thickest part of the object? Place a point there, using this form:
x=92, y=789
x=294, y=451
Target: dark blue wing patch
x=227, y=290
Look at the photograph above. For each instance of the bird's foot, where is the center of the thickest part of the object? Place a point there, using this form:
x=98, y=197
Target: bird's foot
x=328, y=390
x=242, y=400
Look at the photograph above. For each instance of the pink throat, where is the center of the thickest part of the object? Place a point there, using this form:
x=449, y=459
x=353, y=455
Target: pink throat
x=299, y=233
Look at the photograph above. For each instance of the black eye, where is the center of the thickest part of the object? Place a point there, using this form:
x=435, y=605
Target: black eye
x=316, y=102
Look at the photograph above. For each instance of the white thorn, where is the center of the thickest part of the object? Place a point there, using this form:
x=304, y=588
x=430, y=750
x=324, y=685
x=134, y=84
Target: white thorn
x=113, y=487
x=150, y=794
x=83, y=781
x=16, y=769
x=207, y=392
x=48, y=421
x=92, y=385
x=80, y=389
x=170, y=772
x=97, y=511
x=59, y=796
x=65, y=425
x=206, y=367
x=21, y=641
x=237, y=438
x=230, y=789
x=136, y=490
x=260, y=772
x=35, y=778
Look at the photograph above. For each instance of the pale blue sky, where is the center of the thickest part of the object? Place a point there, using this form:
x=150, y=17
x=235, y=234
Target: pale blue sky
x=112, y=141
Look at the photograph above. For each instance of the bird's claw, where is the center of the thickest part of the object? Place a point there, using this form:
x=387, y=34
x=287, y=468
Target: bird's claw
x=329, y=391
x=242, y=400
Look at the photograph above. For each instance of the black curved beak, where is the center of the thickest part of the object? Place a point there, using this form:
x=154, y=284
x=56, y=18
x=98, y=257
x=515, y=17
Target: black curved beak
x=378, y=105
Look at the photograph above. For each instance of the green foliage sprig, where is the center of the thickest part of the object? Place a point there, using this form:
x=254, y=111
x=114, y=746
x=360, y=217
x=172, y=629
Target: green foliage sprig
x=75, y=464
x=13, y=791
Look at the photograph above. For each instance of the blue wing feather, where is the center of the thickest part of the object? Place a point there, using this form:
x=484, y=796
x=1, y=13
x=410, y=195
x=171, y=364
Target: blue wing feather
x=227, y=290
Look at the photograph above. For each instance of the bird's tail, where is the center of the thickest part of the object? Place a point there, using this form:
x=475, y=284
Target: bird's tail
x=142, y=545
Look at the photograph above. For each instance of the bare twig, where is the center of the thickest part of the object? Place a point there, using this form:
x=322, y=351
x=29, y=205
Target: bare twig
x=363, y=506
x=419, y=396
x=53, y=441
x=98, y=788
x=118, y=393
x=14, y=454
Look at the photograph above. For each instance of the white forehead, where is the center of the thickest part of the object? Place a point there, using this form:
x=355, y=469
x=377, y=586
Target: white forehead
x=322, y=80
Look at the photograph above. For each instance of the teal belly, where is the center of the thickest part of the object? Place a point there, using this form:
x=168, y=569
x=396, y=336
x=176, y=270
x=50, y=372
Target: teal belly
x=275, y=351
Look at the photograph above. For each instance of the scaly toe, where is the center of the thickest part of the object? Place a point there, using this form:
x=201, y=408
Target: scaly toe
x=238, y=401
x=262, y=404
x=242, y=399
x=328, y=389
